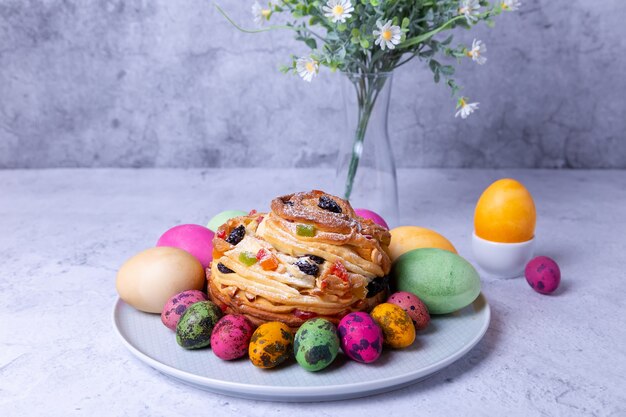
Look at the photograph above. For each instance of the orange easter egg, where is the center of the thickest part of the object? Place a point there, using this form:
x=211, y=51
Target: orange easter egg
x=407, y=238
x=505, y=213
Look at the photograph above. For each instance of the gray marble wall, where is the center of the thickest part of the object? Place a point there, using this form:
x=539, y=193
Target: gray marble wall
x=144, y=83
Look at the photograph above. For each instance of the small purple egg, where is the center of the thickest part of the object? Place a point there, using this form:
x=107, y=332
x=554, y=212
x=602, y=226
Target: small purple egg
x=543, y=274
x=177, y=305
x=375, y=217
x=361, y=338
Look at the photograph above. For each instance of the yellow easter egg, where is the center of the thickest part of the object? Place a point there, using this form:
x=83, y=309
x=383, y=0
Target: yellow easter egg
x=505, y=213
x=270, y=345
x=397, y=326
x=407, y=238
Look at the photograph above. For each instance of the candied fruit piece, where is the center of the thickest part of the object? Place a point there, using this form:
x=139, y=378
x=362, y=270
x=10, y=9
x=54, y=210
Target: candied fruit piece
x=304, y=315
x=267, y=260
x=221, y=234
x=247, y=258
x=339, y=270
x=306, y=230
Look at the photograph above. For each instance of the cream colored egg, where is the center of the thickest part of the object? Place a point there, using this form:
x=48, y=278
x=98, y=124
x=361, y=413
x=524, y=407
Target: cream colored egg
x=147, y=280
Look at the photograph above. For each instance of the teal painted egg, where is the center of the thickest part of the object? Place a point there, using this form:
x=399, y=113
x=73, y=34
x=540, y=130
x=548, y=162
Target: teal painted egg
x=443, y=280
x=221, y=218
x=316, y=344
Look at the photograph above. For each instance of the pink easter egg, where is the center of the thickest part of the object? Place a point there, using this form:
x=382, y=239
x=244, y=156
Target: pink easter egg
x=231, y=337
x=193, y=238
x=361, y=338
x=368, y=214
x=543, y=274
x=177, y=305
x=414, y=307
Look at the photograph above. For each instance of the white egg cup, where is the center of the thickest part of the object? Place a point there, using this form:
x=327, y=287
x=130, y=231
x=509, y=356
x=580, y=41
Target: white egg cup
x=503, y=260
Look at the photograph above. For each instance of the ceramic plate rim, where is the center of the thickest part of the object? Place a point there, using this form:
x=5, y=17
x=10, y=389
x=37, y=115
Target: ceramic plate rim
x=282, y=392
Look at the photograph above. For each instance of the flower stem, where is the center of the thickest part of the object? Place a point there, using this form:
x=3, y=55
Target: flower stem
x=367, y=93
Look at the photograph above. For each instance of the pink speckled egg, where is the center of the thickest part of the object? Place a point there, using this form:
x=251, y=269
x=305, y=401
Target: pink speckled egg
x=414, y=307
x=176, y=306
x=361, y=338
x=368, y=214
x=231, y=337
x=543, y=274
x=193, y=238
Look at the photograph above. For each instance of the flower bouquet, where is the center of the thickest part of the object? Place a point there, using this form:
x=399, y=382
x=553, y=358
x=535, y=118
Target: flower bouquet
x=368, y=39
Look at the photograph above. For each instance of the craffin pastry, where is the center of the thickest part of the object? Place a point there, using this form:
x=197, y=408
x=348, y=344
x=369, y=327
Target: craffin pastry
x=310, y=256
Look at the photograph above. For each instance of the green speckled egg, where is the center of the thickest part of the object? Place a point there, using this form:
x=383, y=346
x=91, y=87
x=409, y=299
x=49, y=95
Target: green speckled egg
x=195, y=326
x=316, y=344
x=443, y=280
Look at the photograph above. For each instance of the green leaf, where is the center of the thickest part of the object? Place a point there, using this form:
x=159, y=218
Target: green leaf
x=447, y=40
x=355, y=33
x=447, y=70
x=434, y=65
x=365, y=44
x=405, y=23
x=311, y=43
x=421, y=38
x=342, y=27
x=437, y=77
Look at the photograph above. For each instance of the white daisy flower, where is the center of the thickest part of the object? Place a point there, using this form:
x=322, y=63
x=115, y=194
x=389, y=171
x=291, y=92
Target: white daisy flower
x=510, y=5
x=338, y=10
x=388, y=35
x=469, y=8
x=260, y=14
x=307, y=68
x=477, y=51
x=465, y=108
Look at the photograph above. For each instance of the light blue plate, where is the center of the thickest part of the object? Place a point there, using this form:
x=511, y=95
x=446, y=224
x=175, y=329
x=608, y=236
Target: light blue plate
x=447, y=339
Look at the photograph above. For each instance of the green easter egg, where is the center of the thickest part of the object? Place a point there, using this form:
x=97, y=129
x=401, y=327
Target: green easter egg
x=443, y=280
x=316, y=344
x=221, y=218
x=195, y=326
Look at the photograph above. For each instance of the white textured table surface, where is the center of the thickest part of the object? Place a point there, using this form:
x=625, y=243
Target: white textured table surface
x=63, y=234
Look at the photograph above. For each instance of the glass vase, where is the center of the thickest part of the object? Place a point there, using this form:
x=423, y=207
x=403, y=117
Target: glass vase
x=366, y=170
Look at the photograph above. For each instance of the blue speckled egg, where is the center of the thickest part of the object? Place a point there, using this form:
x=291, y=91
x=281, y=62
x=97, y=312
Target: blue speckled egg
x=316, y=344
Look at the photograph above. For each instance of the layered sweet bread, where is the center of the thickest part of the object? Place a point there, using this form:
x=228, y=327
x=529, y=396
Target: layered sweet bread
x=310, y=256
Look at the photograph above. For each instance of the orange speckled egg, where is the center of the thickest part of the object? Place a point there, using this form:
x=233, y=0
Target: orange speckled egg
x=505, y=213
x=270, y=345
x=407, y=238
x=397, y=326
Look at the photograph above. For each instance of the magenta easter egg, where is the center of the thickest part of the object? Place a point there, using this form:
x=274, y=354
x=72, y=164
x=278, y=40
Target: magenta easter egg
x=543, y=274
x=231, y=337
x=361, y=338
x=193, y=238
x=368, y=214
x=176, y=306
x=414, y=307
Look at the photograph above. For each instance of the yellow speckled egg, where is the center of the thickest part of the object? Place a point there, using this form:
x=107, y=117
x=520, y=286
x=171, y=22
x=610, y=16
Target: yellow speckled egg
x=505, y=213
x=270, y=345
x=397, y=327
x=407, y=238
